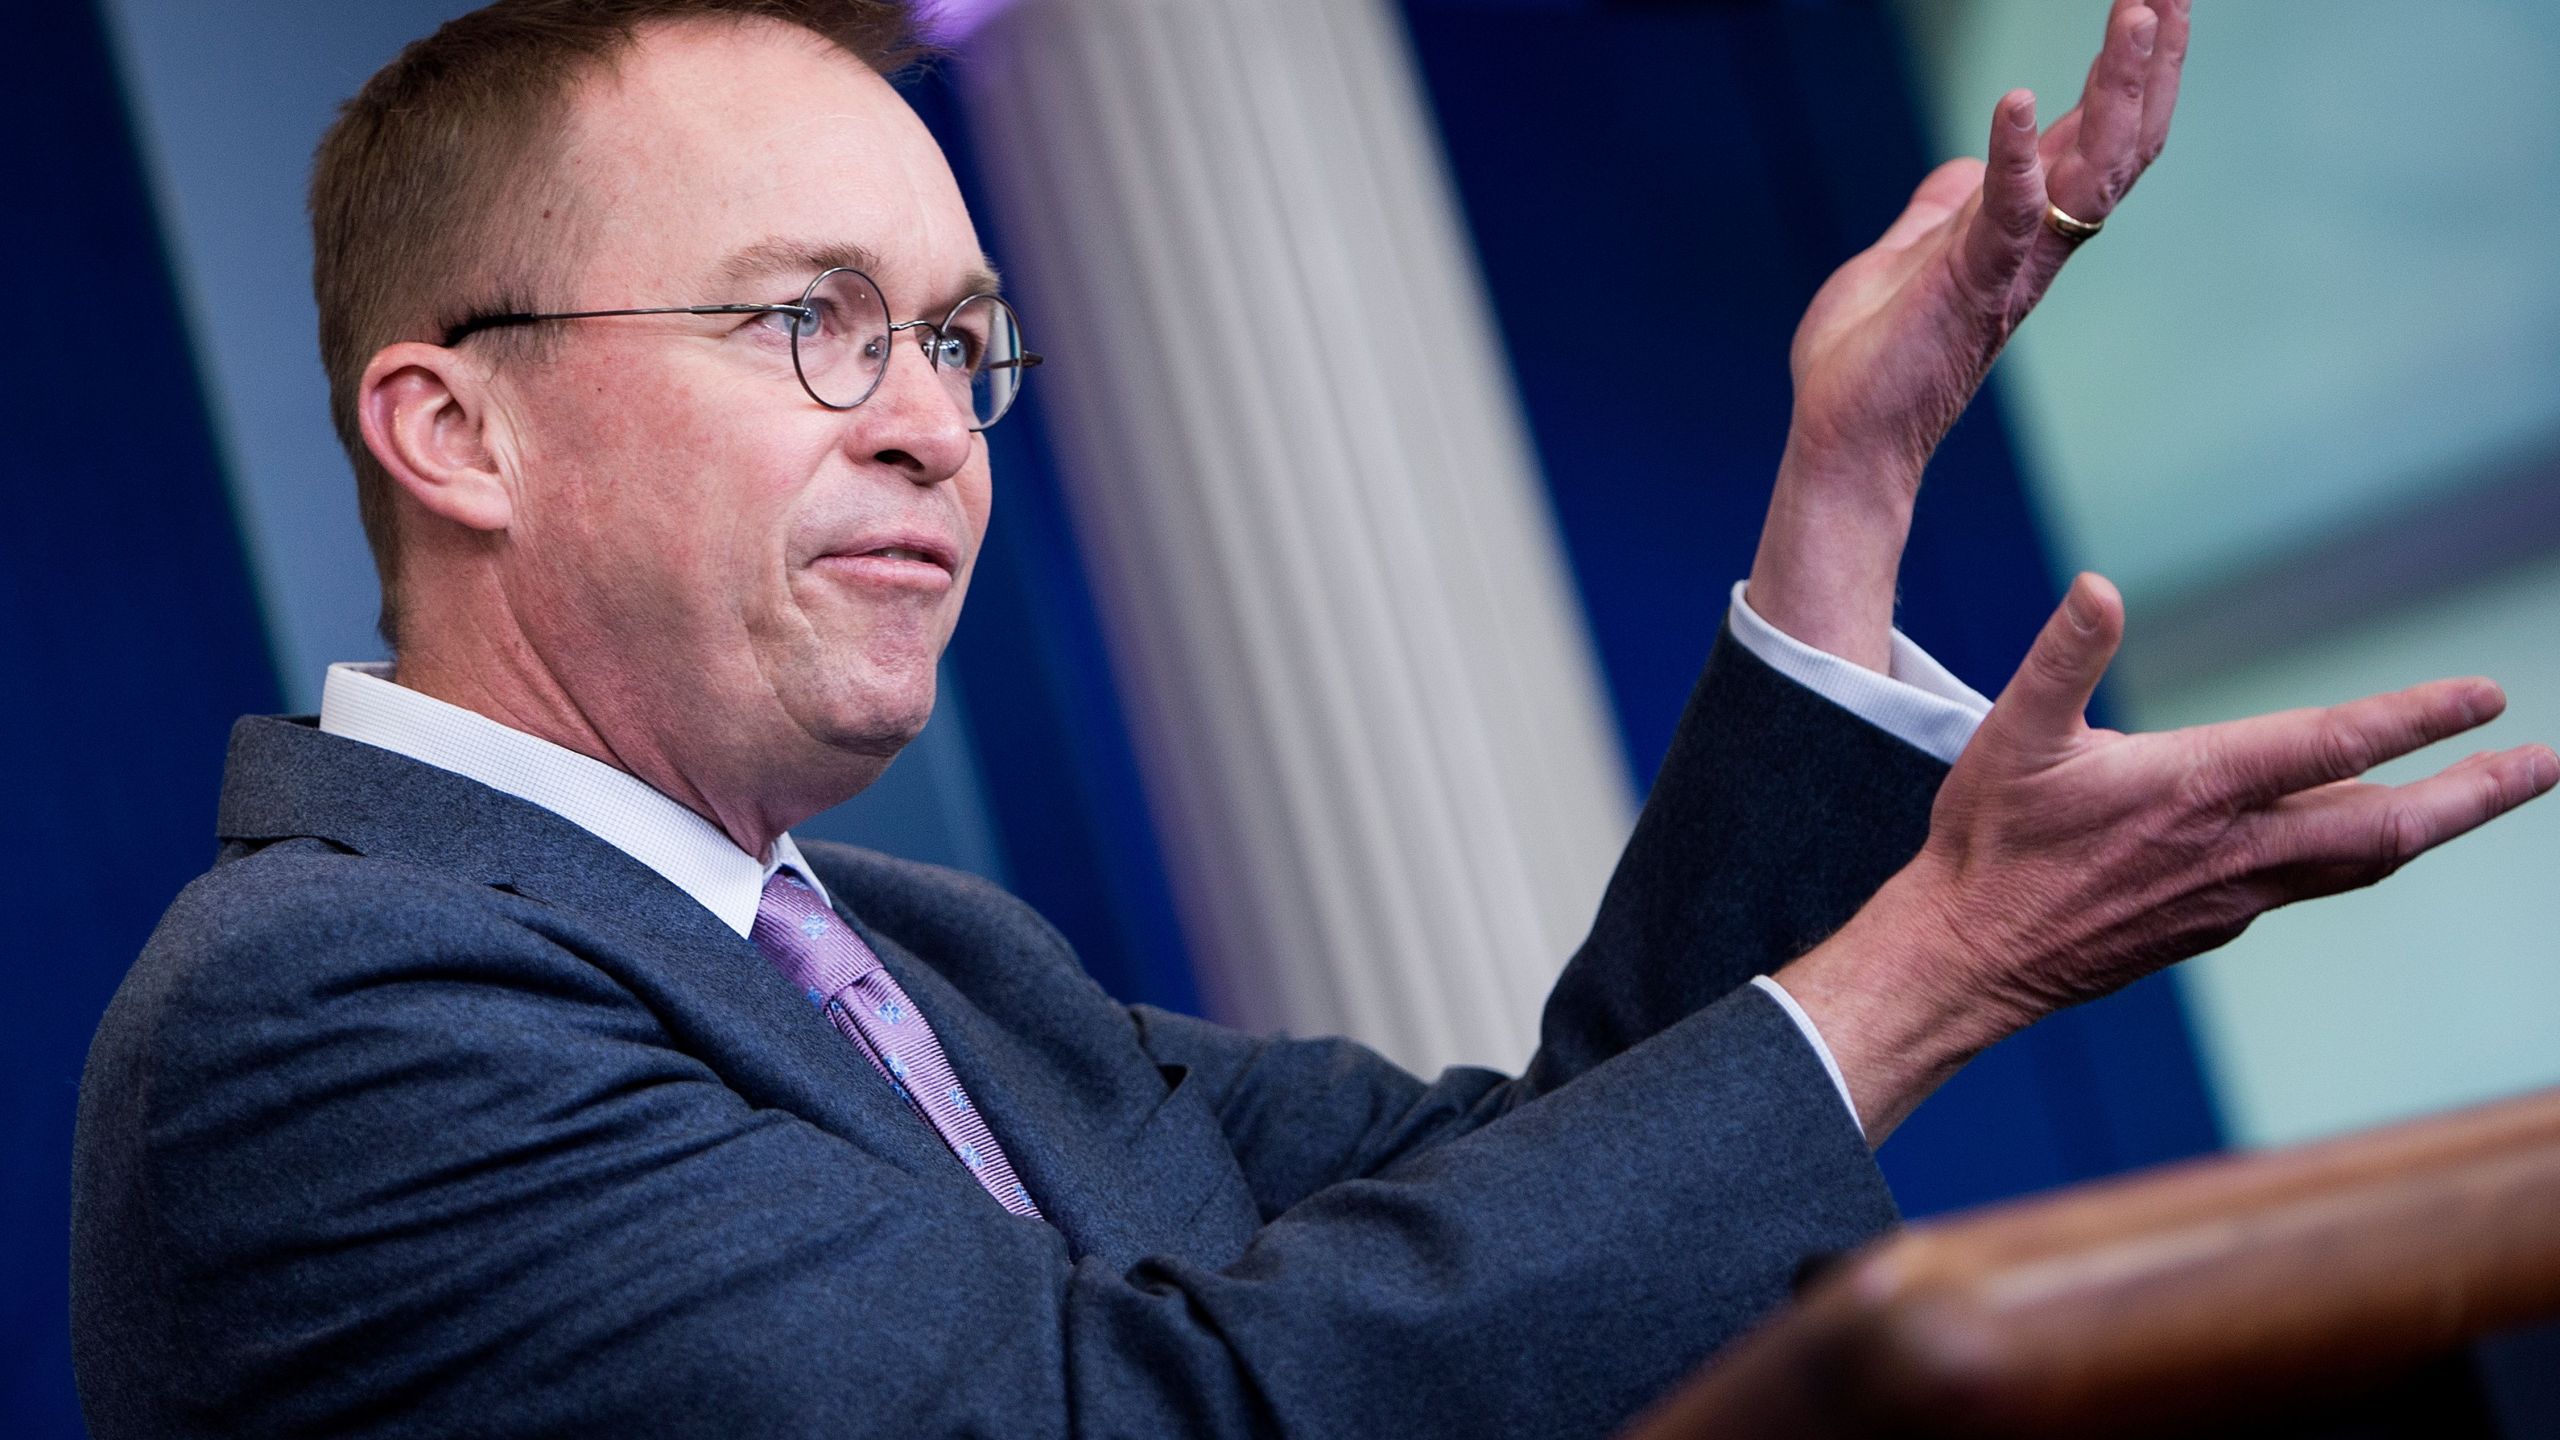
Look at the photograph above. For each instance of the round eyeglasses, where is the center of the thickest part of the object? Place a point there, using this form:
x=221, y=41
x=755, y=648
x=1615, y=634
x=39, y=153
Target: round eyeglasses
x=841, y=334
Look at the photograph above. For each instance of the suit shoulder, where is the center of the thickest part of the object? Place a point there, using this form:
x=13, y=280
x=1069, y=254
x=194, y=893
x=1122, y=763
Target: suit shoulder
x=883, y=888
x=302, y=897
x=287, y=927
x=961, y=923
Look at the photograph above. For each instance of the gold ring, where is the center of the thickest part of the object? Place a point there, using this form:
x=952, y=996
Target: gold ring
x=2079, y=232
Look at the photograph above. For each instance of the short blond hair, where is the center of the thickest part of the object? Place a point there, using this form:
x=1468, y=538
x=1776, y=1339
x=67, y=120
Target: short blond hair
x=421, y=188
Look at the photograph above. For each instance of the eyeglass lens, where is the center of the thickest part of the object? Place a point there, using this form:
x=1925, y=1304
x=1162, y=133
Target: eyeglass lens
x=842, y=347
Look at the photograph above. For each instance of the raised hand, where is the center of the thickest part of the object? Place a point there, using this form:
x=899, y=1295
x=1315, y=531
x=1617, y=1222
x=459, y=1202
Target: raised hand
x=2064, y=862
x=1899, y=341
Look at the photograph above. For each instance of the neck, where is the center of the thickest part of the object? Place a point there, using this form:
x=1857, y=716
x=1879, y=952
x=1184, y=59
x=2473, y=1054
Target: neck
x=507, y=682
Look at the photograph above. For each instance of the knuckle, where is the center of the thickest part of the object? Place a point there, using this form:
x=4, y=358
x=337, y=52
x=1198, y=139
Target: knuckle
x=2054, y=667
x=2400, y=837
x=2210, y=800
x=2491, y=795
x=2240, y=908
x=2502, y=791
x=2241, y=854
x=2206, y=787
x=2216, y=918
x=2344, y=750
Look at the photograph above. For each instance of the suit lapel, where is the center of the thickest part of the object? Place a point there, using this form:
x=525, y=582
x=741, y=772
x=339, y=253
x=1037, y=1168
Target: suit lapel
x=717, y=996
x=1077, y=1144
x=1008, y=1091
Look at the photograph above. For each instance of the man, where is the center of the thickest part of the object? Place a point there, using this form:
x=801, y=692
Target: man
x=514, y=1071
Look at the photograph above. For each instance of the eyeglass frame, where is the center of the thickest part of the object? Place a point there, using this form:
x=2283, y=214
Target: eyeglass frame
x=800, y=309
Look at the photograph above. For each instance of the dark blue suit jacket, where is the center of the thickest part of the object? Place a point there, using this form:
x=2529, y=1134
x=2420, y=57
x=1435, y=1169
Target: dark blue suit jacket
x=428, y=1113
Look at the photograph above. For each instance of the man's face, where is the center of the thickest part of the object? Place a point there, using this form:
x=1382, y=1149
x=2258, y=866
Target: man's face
x=720, y=573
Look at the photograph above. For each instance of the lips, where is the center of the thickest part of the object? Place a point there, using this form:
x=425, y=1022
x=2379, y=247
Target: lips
x=913, y=547
x=901, y=552
x=913, y=562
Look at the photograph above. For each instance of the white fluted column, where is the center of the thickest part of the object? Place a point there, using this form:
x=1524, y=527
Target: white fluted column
x=1364, y=697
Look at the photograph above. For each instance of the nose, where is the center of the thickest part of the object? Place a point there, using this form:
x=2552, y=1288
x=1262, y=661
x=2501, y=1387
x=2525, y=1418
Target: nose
x=912, y=422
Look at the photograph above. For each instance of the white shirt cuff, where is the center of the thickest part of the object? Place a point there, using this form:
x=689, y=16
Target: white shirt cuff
x=1813, y=1038
x=1920, y=703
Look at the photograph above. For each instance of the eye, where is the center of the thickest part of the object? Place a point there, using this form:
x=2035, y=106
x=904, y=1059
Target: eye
x=956, y=352
x=799, y=322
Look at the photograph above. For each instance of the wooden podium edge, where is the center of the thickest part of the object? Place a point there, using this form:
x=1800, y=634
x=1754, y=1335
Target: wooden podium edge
x=2173, y=1298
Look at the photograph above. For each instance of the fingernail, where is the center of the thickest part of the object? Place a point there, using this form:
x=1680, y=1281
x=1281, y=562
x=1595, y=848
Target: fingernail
x=2546, y=770
x=2145, y=36
x=2082, y=610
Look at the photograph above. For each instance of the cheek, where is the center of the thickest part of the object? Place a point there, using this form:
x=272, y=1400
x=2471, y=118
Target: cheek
x=660, y=508
x=977, y=499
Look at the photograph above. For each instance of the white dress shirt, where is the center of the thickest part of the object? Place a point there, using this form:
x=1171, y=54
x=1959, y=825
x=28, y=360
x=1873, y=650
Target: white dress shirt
x=1919, y=702
x=362, y=702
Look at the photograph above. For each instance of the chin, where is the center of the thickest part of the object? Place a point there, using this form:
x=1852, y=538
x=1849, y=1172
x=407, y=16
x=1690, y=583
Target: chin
x=879, y=719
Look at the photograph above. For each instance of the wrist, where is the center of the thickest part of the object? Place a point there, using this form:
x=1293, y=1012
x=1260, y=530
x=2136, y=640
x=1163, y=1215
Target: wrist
x=1831, y=552
x=1889, y=994
x=1852, y=476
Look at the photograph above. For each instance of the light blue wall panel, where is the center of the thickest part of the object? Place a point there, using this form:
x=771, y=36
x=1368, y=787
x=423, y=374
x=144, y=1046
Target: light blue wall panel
x=2337, y=292
x=2442, y=985
x=228, y=101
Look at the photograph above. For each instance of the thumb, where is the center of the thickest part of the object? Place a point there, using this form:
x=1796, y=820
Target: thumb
x=2049, y=696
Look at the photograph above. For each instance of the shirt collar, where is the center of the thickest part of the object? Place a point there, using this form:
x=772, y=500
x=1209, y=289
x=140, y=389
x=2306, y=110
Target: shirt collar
x=360, y=701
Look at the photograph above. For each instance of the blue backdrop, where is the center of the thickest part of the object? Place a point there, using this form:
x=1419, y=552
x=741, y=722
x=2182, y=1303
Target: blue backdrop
x=129, y=635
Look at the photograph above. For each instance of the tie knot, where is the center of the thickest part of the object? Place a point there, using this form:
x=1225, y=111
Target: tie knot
x=805, y=940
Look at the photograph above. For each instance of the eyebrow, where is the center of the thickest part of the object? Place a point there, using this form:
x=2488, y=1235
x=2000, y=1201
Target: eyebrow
x=767, y=259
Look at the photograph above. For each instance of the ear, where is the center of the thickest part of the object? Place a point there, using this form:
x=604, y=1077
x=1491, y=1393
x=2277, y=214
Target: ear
x=425, y=413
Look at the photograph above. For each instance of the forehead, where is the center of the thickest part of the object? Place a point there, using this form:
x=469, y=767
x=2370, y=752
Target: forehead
x=715, y=138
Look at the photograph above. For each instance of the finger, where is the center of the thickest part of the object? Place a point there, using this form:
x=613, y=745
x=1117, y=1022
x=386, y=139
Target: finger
x=1940, y=198
x=2003, y=232
x=2062, y=138
x=2066, y=131
x=2320, y=794
x=2260, y=759
x=2168, y=71
x=2093, y=175
x=2359, y=834
x=2168, y=74
x=2045, y=702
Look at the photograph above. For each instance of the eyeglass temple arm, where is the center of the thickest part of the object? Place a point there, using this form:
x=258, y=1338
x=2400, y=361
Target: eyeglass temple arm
x=477, y=324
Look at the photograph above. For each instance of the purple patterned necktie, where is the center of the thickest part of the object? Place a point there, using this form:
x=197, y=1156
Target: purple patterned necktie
x=839, y=973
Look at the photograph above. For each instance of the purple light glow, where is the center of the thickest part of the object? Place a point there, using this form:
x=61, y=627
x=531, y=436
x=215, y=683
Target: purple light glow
x=952, y=22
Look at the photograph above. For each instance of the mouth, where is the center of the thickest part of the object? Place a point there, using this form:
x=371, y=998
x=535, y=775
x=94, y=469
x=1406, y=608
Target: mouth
x=899, y=561
x=907, y=552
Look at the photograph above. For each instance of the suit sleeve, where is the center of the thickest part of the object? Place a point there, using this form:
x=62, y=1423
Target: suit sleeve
x=1775, y=815
x=418, y=1170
